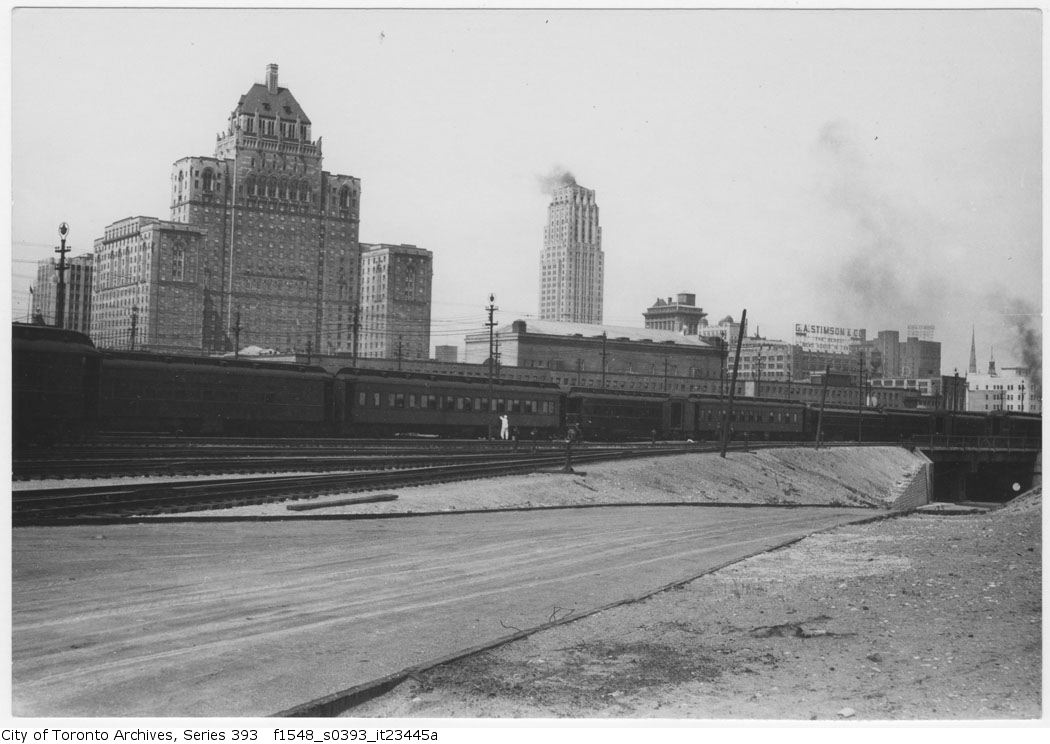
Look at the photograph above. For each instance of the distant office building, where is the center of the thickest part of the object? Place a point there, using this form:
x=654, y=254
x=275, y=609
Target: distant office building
x=921, y=332
x=920, y=358
x=572, y=263
x=78, y=280
x=395, y=301
x=679, y=314
x=1009, y=390
x=766, y=360
x=726, y=331
x=448, y=354
x=262, y=243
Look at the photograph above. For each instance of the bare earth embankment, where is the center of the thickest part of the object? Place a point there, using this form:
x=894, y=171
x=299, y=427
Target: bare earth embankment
x=871, y=477
x=918, y=617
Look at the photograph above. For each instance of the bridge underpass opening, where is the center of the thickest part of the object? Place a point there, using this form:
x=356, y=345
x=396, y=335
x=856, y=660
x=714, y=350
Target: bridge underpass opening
x=995, y=482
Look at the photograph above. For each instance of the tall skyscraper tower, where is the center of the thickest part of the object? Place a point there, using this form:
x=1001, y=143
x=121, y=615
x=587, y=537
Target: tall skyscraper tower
x=572, y=265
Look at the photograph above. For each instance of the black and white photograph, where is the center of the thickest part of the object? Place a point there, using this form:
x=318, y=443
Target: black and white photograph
x=437, y=373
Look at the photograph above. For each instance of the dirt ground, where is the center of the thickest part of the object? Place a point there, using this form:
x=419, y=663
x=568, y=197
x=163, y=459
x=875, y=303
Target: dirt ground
x=922, y=617
x=871, y=477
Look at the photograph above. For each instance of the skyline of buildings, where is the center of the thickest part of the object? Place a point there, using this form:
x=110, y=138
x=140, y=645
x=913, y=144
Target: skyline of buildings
x=262, y=249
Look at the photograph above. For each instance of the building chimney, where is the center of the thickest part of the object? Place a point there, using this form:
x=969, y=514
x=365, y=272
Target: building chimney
x=271, y=78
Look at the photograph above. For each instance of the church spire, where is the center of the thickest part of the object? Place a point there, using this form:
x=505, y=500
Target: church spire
x=973, y=352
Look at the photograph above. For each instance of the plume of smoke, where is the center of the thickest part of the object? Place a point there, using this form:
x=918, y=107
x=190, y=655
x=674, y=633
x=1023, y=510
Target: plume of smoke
x=875, y=261
x=1024, y=320
x=557, y=178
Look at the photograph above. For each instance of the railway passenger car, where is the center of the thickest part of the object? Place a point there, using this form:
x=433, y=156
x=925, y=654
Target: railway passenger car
x=144, y=392
x=376, y=404
x=604, y=415
x=757, y=419
x=54, y=385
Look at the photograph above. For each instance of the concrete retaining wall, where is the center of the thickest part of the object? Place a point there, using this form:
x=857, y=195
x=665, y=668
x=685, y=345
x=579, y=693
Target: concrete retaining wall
x=920, y=490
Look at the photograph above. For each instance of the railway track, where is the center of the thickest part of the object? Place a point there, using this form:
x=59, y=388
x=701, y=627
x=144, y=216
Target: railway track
x=178, y=457
x=53, y=506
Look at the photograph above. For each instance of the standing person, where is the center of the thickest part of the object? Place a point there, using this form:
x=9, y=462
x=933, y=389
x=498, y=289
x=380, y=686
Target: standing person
x=504, y=427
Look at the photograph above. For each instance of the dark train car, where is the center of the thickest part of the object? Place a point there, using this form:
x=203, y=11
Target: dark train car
x=143, y=392
x=963, y=424
x=54, y=385
x=607, y=416
x=757, y=419
x=375, y=403
x=1015, y=424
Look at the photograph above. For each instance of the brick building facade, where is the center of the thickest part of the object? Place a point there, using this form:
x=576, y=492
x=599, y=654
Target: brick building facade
x=78, y=280
x=261, y=247
x=395, y=301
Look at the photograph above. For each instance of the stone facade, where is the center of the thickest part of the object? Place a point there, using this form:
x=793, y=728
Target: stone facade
x=575, y=351
x=676, y=314
x=269, y=256
x=395, y=301
x=572, y=264
x=78, y=279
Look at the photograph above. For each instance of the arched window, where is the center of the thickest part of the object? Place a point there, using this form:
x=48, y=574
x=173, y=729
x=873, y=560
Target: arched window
x=344, y=197
x=207, y=179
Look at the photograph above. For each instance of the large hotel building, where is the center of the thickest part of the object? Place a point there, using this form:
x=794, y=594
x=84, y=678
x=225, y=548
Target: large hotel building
x=261, y=246
x=572, y=262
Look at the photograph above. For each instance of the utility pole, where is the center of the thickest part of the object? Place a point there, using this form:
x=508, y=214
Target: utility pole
x=823, y=398
x=60, y=298
x=134, y=324
x=492, y=359
x=309, y=349
x=723, y=357
x=860, y=399
x=758, y=373
x=357, y=328
x=29, y=307
x=604, y=340
x=399, y=353
x=732, y=385
x=237, y=335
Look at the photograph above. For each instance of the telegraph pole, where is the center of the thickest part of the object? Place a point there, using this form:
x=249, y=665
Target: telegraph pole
x=357, y=328
x=399, y=353
x=237, y=335
x=492, y=358
x=604, y=340
x=860, y=399
x=823, y=398
x=134, y=324
x=732, y=385
x=60, y=299
x=309, y=349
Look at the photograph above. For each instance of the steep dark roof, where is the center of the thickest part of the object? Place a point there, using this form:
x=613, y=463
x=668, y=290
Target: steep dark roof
x=282, y=104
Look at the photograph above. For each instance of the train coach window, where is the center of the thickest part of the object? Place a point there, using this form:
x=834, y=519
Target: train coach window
x=397, y=400
x=459, y=404
x=450, y=402
x=412, y=400
x=375, y=400
x=468, y=404
x=361, y=398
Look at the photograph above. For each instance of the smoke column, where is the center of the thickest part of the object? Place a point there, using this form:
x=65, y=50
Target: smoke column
x=1024, y=321
x=557, y=178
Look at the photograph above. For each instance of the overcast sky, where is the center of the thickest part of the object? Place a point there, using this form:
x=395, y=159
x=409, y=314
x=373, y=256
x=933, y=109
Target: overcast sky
x=867, y=169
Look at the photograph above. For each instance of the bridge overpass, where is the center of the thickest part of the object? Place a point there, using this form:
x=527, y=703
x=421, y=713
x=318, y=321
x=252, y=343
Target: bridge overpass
x=982, y=468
